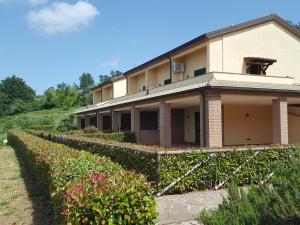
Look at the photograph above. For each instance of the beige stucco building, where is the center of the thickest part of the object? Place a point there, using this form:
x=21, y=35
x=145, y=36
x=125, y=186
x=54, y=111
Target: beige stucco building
x=235, y=86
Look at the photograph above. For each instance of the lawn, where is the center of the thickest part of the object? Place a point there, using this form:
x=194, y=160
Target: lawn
x=20, y=200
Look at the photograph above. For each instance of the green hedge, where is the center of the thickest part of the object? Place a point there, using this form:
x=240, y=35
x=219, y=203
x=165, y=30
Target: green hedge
x=86, y=188
x=275, y=202
x=163, y=168
x=121, y=137
x=217, y=167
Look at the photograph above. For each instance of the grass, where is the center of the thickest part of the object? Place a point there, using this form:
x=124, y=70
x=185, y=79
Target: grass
x=20, y=200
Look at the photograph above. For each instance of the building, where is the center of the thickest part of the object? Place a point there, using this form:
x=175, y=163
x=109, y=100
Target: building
x=235, y=86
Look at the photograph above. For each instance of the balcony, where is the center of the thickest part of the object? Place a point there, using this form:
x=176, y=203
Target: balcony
x=217, y=79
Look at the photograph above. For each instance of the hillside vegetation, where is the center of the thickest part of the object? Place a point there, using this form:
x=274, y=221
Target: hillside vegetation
x=43, y=120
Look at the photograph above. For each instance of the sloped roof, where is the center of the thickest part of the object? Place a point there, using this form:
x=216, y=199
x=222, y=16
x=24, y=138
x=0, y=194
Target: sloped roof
x=216, y=33
x=193, y=85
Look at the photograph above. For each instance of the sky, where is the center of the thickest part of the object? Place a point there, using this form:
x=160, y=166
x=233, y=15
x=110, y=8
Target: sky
x=48, y=42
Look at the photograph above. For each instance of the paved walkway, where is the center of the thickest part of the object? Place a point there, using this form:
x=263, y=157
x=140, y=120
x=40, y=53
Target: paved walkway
x=183, y=209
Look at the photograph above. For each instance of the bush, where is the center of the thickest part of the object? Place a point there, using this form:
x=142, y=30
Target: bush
x=67, y=123
x=121, y=136
x=163, y=168
x=91, y=130
x=86, y=188
x=276, y=202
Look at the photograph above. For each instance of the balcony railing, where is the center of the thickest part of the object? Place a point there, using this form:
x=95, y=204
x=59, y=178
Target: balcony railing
x=191, y=83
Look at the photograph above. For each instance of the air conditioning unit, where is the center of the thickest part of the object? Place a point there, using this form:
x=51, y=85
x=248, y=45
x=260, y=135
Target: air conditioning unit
x=178, y=67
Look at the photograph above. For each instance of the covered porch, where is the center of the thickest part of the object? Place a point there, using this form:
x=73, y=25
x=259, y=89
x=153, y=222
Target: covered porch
x=208, y=119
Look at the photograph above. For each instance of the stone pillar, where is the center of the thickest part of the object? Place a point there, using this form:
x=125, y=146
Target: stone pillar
x=165, y=124
x=201, y=120
x=114, y=121
x=213, y=120
x=87, y=120
x=99, y=121
x=135, y=124
x=280, y=121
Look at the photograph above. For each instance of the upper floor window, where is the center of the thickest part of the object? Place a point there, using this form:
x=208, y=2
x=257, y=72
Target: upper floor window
x=199, y=72
x=258, y=65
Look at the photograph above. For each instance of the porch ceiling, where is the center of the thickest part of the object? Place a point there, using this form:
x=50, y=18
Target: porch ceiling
x=234, y=99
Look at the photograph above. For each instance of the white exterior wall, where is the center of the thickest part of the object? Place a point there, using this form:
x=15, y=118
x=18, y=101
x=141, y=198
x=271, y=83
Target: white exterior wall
x=269, y=40
x=119, y=88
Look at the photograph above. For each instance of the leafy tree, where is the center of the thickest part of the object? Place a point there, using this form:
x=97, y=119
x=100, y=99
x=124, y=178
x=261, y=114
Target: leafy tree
x=105, y=77
x=50, y=98
x=16, y=88
x=86, y=83
x=297, y=26
x=4, y=103
x=67, y=124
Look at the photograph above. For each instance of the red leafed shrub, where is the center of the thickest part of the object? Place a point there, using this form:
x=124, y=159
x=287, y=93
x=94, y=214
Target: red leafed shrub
x=86, y=188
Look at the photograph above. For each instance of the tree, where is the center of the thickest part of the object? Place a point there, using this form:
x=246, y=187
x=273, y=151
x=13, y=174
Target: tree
x=4, y=103
x=16, y=88
x=86, y=83
x=105, y=77
x=297, y=26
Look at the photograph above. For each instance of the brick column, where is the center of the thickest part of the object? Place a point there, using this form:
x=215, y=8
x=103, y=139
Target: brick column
x=280, y=121
x=135, y=124
x=87, y=120
x=114, y=121
x=213, y=120
x=165, y=124
x=78, y=122
x=99, y=121
x=201, y=113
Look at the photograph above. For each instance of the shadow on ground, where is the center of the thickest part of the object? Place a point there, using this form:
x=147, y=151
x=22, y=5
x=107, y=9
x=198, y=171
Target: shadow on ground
x=42, y=211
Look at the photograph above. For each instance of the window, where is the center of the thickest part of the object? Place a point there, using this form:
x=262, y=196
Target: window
x=199, y=72
x=167, y=81
x=258, y=65
x=93, y=121
x=254, y=69
x=149, y=120
x=125, y=122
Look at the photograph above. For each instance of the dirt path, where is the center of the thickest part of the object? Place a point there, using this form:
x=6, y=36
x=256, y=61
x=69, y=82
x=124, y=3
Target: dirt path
x=20, y=200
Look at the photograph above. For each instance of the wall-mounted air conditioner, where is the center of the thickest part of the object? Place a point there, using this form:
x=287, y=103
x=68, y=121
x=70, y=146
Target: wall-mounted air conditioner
x=178, y=67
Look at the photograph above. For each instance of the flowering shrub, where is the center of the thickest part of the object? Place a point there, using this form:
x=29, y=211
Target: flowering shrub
x=86, y=188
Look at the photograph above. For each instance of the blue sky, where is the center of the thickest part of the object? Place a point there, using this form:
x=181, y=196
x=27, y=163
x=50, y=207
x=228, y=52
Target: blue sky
x=48, y=42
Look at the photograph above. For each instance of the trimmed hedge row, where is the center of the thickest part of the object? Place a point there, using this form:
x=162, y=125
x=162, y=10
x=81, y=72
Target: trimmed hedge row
x=163, y=168
x=121, y=137
x=86, y=188
x=129, y=158
x=219, y=166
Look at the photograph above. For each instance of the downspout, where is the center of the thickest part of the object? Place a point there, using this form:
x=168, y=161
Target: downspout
x=101, y=95
x=170, y=65
x=204, y=119
x=126, y=85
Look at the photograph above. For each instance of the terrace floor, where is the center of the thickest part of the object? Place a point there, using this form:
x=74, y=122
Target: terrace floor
x=184, y=208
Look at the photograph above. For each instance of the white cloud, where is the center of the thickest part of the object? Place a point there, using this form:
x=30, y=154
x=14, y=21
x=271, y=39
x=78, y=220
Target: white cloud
x=36, y=2
x=110, y=63
x=60, y=17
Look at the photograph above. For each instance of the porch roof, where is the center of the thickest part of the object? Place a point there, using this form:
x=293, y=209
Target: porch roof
x=208, y=81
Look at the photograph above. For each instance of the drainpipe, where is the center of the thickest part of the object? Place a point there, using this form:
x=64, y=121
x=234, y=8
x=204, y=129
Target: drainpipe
x=204, y=119
x=170, y=63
